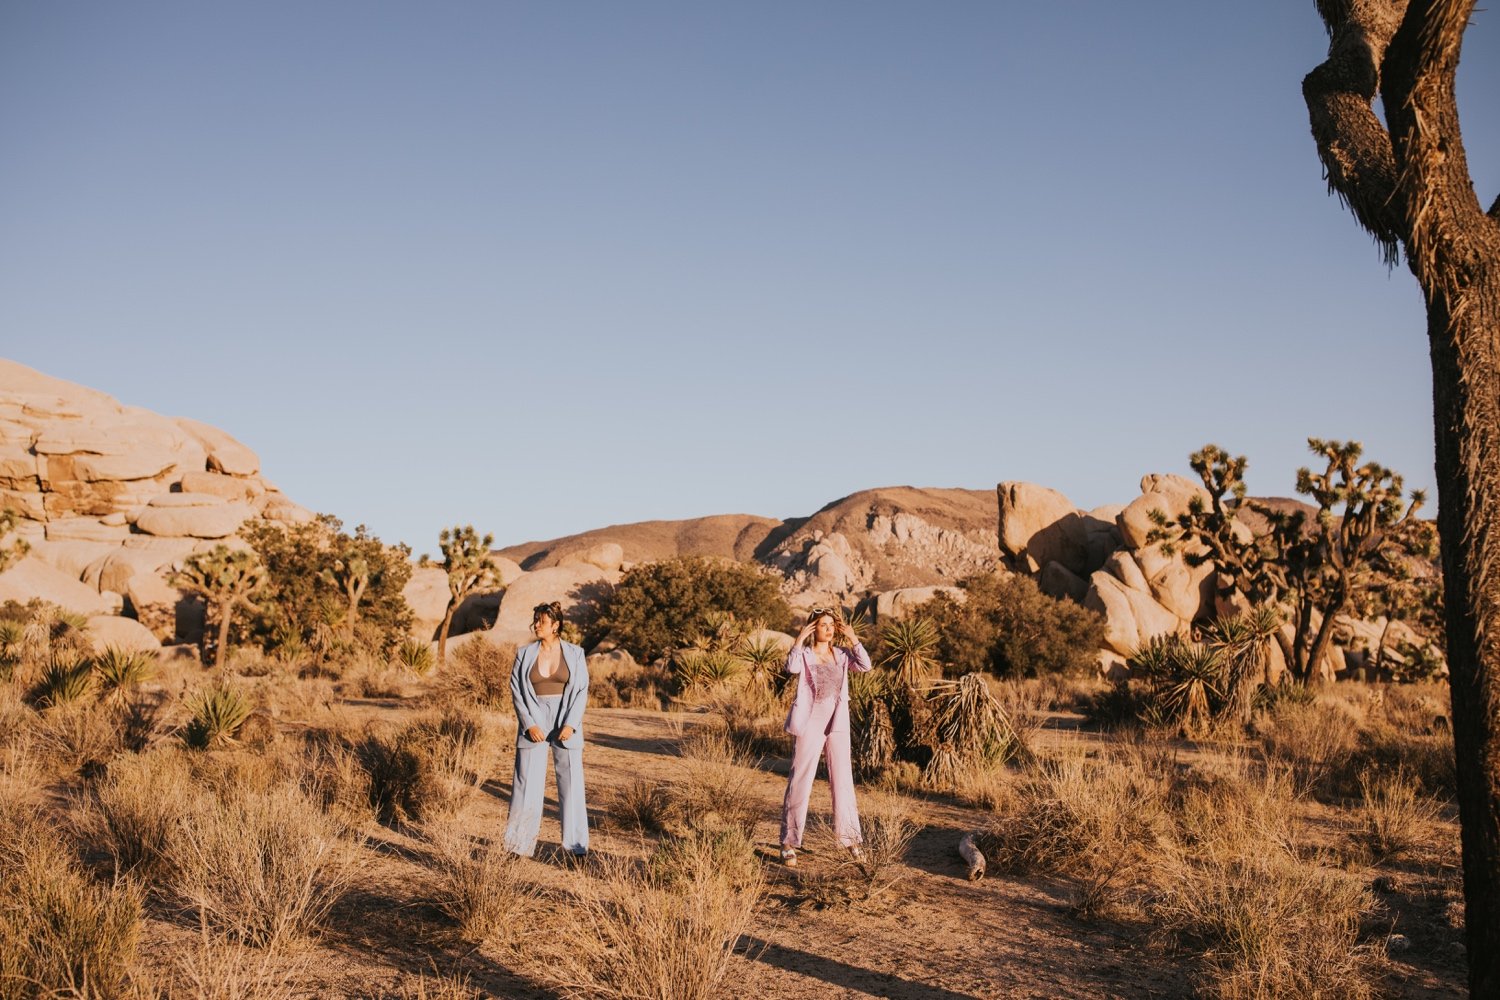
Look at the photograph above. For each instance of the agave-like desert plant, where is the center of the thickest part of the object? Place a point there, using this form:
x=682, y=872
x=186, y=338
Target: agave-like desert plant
x=217, y=714
x=911, y=647
x=119, y=671
x=66, y=679
x=416, y=656
x=764, y=657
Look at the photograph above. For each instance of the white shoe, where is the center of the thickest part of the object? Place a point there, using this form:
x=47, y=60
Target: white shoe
x=789, y=857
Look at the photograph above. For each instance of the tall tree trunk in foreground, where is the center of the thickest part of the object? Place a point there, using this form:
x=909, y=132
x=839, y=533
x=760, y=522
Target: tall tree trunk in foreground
x=1410, y=187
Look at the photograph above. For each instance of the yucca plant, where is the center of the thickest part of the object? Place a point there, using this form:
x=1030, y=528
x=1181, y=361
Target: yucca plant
x=763, y=657
x=910, y=646
x=416, y=656
x=119, y=671
x=12, y=645
x=1244, y=642
x=217, y=714
x=970, y=728
x=1188, y=680
x=693, y=667
x=66, y=679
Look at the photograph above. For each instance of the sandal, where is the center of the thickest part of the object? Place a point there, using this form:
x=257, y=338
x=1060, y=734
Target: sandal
x=789, y=857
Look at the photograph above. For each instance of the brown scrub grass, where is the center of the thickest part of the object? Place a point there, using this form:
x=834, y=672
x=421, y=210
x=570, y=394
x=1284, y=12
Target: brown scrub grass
x=639, y=935
x=479, y=885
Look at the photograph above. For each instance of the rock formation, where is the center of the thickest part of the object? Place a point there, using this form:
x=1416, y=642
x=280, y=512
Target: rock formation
x=112, y=498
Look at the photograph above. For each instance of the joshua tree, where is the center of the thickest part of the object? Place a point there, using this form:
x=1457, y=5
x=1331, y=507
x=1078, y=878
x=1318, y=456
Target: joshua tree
x=466, y=557
x=1407, y=180
x=351, y=576
x=228, y=579
x=1316, y=569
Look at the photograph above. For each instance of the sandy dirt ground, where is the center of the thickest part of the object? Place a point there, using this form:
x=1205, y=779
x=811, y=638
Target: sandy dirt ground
x=936, y=937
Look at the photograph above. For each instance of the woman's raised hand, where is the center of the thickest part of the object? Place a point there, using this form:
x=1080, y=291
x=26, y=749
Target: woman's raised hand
x=807, y=630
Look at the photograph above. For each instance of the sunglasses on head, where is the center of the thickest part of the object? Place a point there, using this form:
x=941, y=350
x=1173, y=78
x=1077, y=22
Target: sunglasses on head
x=820, y=612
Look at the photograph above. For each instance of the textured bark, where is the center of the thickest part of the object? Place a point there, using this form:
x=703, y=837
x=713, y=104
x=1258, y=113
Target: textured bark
x=1410, y=187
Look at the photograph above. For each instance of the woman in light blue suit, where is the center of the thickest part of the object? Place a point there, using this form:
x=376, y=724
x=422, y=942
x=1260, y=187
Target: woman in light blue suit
x=549, y=686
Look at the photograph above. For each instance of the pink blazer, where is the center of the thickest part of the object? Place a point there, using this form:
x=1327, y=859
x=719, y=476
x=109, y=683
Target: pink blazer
x=796, y=663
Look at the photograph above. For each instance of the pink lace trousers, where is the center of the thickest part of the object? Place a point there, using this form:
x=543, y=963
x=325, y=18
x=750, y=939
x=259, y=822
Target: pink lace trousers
x=815, y=742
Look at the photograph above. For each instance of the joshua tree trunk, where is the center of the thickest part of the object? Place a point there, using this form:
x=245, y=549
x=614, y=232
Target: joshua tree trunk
x=443, y=632
x=1410, y=187
x=225, y=609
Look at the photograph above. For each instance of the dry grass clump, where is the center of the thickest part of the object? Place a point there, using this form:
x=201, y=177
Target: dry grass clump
x=643, y=805
x=635, y=935
x=1394, y=817
x=428, y=768
x=754, y=718
x=716, y=790
x=479, y=885
x=78, y=738
x=335, y=777
x=631, y=685
x=264, y=867
x=1314, y=740
x=1097, y=821
x=63, y=933
x=450, y=987
x=872, y=879
x=218, y=969
x=1269, y=924
x=478, y=672
x=137, y=805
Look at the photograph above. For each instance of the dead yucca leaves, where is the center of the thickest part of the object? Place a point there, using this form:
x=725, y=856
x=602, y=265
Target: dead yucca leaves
x=970, y=728
x=635, y=937
x=480, y=886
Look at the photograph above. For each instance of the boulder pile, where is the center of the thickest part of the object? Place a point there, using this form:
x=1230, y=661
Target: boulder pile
x=112, y=498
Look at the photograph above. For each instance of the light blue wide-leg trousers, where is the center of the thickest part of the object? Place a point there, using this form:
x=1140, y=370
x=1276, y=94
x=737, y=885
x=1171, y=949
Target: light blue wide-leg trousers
x=528, y=796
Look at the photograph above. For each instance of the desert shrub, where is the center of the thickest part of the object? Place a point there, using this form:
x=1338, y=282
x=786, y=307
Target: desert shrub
x=303, y=594
x=696, y=669
x=426, y=769
x=479, y=672
x=479, y=886
x=215, y=715
x=64, y=934
x=657, y=607
x=1270, y=924
x=1099, y=822
x=335, y=777
x=636, y=935
x=1426, y=758
x=716, y=790
x=219, y=969
x=869, y=879
x=675, y=862
x=1194, y=686
x=1314, y=740
x=263, y=867
x=78, y=739
x=136, y=806
x=1007, y=626
x=1394, y=817
x=644, y=805
x=754, y=719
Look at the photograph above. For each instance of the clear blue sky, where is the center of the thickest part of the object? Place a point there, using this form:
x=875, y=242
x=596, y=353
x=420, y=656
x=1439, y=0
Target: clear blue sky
x=548, y=266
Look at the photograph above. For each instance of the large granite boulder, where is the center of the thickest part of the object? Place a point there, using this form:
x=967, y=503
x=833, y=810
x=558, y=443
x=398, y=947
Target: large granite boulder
x=1169, y=494
x=30, y=578
x=1039, y=525
x=192, y=515
x=124, y=634
x=569, y=585
x=900, y=603
x=1131, y=617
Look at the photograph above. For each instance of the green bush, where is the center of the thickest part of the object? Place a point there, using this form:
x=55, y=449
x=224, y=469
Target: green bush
x=659, y=606
x=1008, y=627
x=304, y=601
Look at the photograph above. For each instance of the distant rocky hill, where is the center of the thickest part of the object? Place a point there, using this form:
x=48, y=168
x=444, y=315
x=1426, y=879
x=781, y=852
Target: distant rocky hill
x=730, y=536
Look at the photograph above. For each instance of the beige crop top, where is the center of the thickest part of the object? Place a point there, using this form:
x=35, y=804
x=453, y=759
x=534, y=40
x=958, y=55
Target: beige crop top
x=550, y=685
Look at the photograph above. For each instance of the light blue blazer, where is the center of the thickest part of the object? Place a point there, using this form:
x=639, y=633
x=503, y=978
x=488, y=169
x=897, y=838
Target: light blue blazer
x=530, y=711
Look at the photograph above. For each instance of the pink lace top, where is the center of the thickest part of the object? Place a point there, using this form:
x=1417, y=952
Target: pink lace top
x=826, y=678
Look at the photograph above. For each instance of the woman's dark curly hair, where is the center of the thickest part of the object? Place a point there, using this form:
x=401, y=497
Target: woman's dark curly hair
x=552, y=610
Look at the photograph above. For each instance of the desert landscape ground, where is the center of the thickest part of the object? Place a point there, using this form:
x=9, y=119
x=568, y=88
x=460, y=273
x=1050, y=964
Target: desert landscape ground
x=1122, y=864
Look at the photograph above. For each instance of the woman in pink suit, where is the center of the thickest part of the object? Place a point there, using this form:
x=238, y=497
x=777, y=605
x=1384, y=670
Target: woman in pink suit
x=820, y=720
